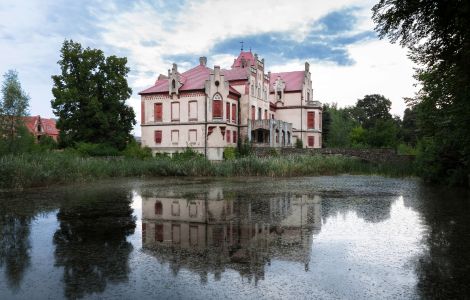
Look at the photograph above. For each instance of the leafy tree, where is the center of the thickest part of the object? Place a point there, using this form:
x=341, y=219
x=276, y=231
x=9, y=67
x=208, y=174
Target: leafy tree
x=409, y=126
x=90, y=97
x=372, y=108
x=384, y=133
x=13, y=107
x=340, y=126
x=438, y=37
x=326, y=122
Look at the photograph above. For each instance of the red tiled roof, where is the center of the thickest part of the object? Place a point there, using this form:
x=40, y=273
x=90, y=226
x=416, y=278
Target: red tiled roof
x=48, y=125
x=293, y=80
x=193, y=79
x=248, y=56
x=235, y=74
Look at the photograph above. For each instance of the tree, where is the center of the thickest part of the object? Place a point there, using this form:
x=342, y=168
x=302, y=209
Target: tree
x=339, y=127
x=13, y=107
x=372, y=108
x=90, y=97
x=438, y=37
x=409, y=126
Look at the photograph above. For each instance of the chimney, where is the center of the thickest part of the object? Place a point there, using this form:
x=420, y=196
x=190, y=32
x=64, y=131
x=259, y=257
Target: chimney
x=216, y=71
x=202, y=61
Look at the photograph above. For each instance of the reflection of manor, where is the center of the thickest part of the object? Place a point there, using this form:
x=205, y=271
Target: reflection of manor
x=211, y=233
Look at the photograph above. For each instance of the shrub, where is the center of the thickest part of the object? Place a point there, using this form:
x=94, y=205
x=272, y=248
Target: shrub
x=230, y=153
x=133, y=149
x=245, y=149
x=299, y=144
x=188, y=153
x=404, y=149
x=89, y=149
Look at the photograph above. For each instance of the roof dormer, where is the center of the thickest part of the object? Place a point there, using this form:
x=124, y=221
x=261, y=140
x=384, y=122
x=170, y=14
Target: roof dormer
x=174, y=80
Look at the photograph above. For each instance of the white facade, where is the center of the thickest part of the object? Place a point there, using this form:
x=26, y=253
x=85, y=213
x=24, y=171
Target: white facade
x=211, y=109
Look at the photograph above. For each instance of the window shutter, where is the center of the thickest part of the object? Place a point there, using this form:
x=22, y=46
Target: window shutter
x=217, y=109
x=158, y=136
x=158, y=112
x=311, y=120
x=311, y=141
x=234, y=136
x=234, y=113
x=227, y=111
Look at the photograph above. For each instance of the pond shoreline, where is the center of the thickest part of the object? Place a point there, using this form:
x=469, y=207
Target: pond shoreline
x=49, y=169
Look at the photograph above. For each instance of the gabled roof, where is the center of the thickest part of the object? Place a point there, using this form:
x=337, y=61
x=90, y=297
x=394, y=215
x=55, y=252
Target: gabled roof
x=293, y=80
x=48, y=125
x=193, y=79
x=244, y=59
x=235, y=74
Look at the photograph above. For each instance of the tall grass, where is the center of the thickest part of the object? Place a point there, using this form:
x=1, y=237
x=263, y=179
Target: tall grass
x=51, y=168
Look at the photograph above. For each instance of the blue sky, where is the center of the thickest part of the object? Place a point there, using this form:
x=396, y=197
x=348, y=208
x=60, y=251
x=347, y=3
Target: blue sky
x=336, y=37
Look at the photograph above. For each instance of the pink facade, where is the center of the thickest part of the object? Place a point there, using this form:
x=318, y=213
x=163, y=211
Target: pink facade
x=211, y=109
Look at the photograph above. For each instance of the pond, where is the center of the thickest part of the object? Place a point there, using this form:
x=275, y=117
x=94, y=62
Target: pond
x=338, y=237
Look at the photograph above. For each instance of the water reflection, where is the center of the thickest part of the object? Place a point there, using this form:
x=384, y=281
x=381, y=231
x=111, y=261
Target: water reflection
x=15, y=245
x=91, y=244
x=215, y=231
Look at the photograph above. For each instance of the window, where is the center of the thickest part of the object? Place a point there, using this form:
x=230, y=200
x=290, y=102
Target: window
x=175, y=111
x=234, y=137
x=192, y=110
x=311, y=141
x=159, y=232
x=175, y=233
x=227, y=111
x=308, y=96
x=175, y=136
x=234, y=113
x=175, y=209
x=217, y=106
x=259, y=113
x=158, y=136
x=265, y=114
x=228, y=136
x=192, y=210
x=311, y=120
x=192, y=135
x=158, y=208
x=193, y=235
x=252, y=112
x=157, y=116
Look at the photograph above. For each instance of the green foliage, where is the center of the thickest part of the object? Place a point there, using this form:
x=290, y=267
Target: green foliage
x=89, y=149
x=14, y=104
x=384, y=133
x=358, y=137
x=405, y=149
x=299, y=144
x=410, y=126
x=230, y=153
x=47, y=143
x=188, y=153
x=245, y=149
x=46, y=168
x=437, y=36
x=90, y=97
x=370, y=109
x=340, y=126
x=134, y=150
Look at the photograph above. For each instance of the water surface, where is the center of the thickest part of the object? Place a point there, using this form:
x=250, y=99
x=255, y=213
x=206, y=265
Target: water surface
x=343, y=237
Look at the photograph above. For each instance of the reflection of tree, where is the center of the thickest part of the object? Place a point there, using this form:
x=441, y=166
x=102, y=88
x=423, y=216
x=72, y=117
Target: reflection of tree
x=443, y=270
x=91, y=242
x=14, y=246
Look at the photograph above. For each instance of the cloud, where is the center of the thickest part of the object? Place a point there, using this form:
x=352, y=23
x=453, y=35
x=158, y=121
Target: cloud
x=335, y=36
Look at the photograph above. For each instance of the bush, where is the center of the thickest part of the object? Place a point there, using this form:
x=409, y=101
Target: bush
x=188, y=153
x=245, y=149
x=47, y=143
x=89, y=149
x=404, y=149
x=136, y=151
x=230, y=153
x=299, y=144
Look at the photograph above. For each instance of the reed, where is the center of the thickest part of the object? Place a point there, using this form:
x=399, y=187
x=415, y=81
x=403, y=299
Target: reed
x=54, y=168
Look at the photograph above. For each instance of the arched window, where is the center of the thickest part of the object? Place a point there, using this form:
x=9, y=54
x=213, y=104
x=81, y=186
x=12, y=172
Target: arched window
x=173, y=84
x=158, y=208
x=217, y=106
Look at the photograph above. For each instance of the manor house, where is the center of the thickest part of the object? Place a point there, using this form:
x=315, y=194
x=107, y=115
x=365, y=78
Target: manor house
x=211, y=109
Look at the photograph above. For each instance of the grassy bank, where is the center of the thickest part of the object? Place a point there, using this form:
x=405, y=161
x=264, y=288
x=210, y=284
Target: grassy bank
x=49, y=168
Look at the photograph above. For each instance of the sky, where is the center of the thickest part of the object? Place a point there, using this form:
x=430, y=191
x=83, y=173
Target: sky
x=347, y=59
